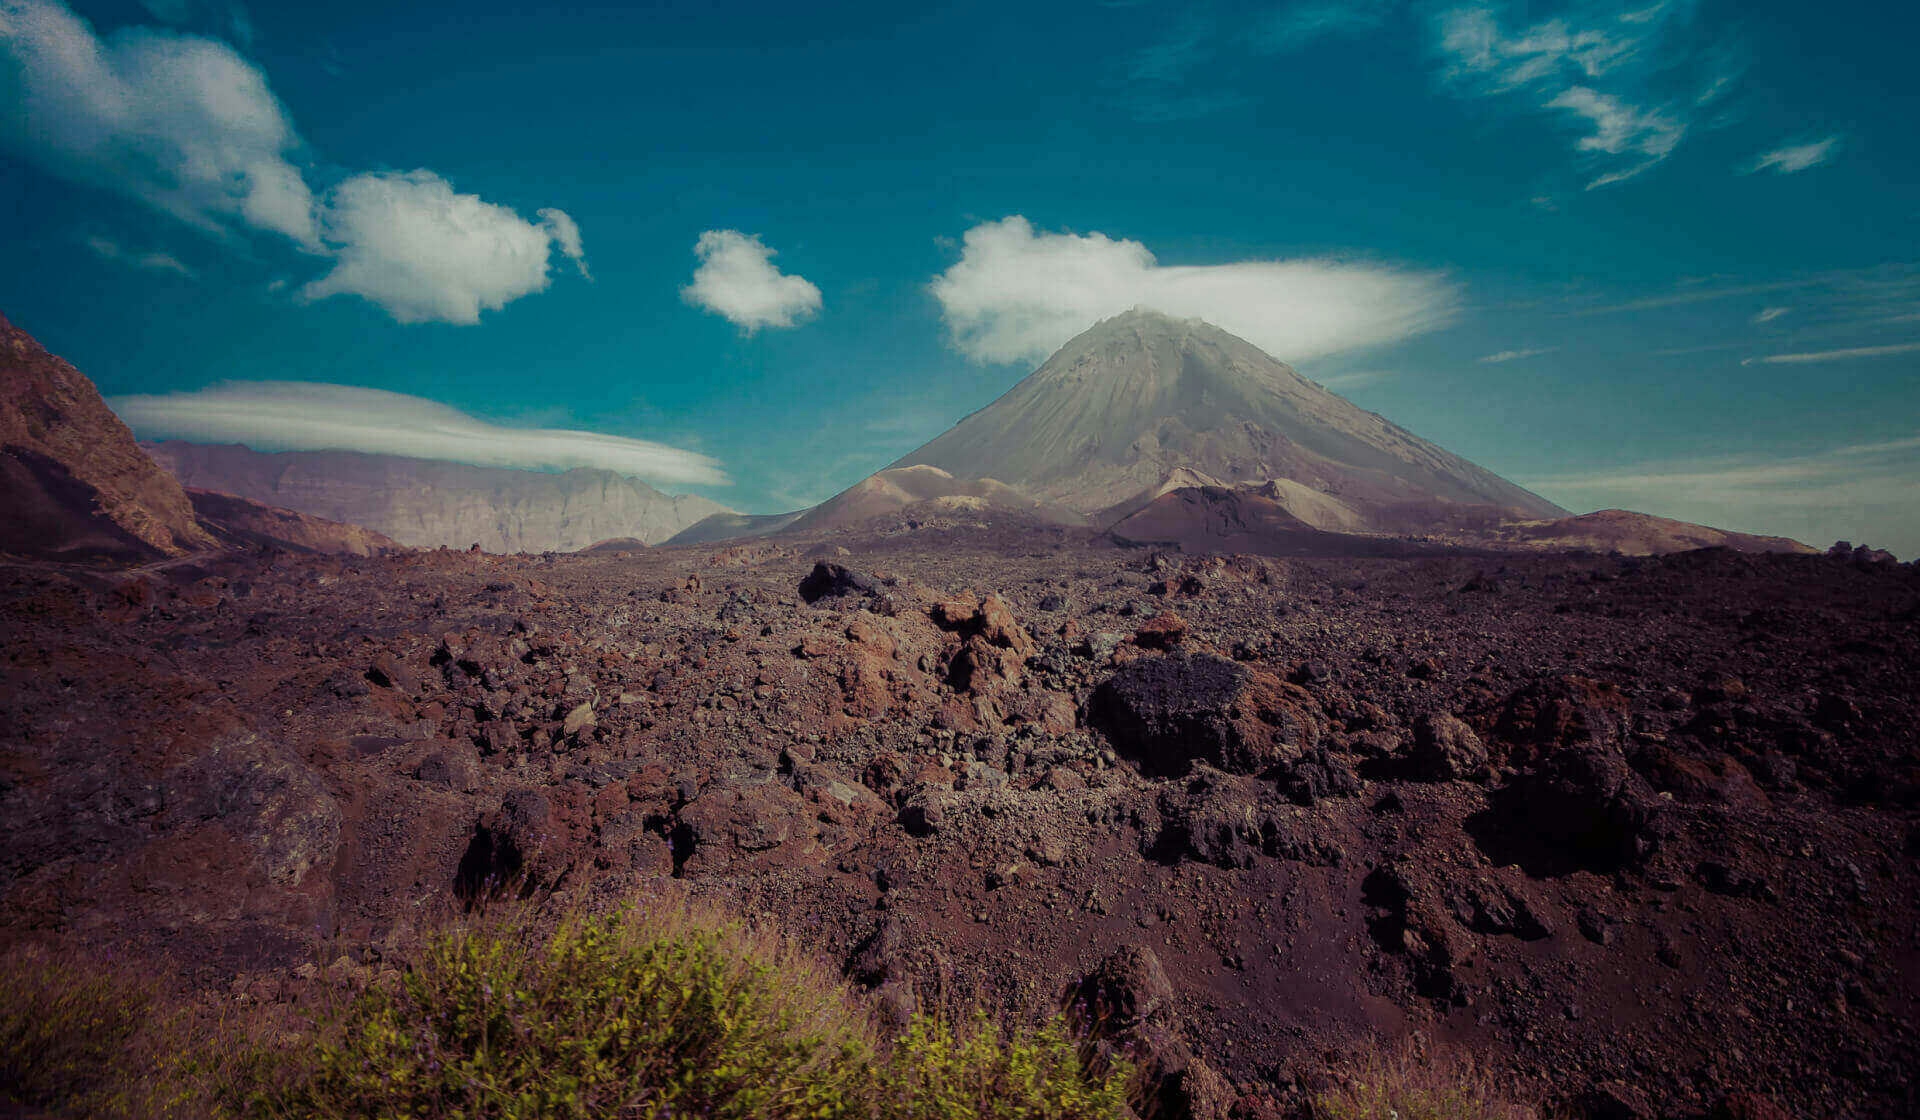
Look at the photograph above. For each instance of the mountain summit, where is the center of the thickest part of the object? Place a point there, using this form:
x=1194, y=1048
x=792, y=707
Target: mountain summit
x=1143, y=403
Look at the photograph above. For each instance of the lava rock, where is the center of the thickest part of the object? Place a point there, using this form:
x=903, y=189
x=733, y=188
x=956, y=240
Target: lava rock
x=1445, y=749
x=833, y=581
x=1166, y=713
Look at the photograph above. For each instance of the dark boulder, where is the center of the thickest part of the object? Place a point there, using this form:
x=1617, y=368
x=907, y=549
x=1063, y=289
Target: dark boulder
x=833, y=581
x=1166, y=713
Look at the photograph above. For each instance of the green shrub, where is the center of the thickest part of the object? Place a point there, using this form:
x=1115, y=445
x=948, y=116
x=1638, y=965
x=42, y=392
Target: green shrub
x=606, y=1017
x=979, y=1072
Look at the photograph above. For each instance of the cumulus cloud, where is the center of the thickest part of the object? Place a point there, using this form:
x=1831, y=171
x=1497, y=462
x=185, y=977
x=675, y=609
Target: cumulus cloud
x=413, y=246
x=1795, y=157
x=1505, y=356
x=1600, y=69
x=305, y=416
x=106, y=248
x=1017, y=295
x=185, y=124
x=738, y=281
x=180, y=122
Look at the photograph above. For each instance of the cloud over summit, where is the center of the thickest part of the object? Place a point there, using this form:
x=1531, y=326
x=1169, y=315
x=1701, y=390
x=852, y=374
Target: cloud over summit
x=1017, y=294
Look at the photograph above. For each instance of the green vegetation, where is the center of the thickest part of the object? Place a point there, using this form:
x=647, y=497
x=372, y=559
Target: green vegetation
x=667, y=1014
x=597, y=1018
x=979, y=1072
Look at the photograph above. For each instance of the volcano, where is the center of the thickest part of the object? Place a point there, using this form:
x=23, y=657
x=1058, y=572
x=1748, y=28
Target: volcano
x=1143, y=404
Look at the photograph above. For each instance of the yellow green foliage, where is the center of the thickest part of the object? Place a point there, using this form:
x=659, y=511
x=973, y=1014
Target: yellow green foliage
x=604, y=1018
x=979, y=1072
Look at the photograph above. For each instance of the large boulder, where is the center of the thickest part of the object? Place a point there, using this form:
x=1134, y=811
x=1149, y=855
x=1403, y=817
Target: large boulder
x=1587, y=807
x=1445, y=749
x=1166, y=713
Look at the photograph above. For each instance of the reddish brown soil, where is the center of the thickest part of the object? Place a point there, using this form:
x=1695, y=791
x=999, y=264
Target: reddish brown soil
x=1639, y=831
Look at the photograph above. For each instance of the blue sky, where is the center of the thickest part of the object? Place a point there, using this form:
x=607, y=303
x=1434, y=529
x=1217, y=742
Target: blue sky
x=1656, y=255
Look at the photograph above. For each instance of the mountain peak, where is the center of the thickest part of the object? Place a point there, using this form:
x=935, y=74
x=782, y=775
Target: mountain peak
x=1143, y=394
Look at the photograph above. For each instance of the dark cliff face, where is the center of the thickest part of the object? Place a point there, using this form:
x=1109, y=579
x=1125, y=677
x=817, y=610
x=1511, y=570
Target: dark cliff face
x=1111, y=417
x=77, y=486
x=427, y=504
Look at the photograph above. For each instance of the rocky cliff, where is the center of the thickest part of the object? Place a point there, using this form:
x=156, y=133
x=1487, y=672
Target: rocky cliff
x=73, y=483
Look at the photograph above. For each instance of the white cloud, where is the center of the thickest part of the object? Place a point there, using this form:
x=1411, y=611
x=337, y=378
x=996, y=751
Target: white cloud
x=1505, y=356
x=566, y=237
x=413, y=246
x=180, y=122
x=1863, y=493
x=1017, y=295
x=1769, y=314
x=108, y=249
x=303, y=416
x=1795, y=157
x=1620, y=129
x=187, y=125
x=1597, y=68
x=737, y=280
x=1836, y=355
x=1482, y=53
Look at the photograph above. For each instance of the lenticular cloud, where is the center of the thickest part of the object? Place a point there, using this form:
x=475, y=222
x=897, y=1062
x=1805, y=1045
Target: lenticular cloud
x=305, y=416
x=1017, y=295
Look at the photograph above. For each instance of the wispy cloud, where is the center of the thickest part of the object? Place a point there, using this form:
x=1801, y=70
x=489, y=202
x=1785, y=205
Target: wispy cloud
x=1860, y=492
x=1298, y=25
x=106, y=248
x=1645, y=136
x=1601, y=69
x=305, y=416
x=1769, y=314
x=189, y=126
x=1354, y=379
x=1696, y=293
x=1516, y=355
x=1795, y=157
x=738, y=281
x=1836, y=355
x=1017, y=294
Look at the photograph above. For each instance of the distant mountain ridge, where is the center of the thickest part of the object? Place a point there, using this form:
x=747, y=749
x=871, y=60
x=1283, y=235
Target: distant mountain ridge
x=1136, y=400
x=426, y=503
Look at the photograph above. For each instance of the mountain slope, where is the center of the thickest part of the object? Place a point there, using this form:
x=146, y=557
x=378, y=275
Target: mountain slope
x=427, y=504
x=76, y=485
x=898, y=489
x=1106, y=421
